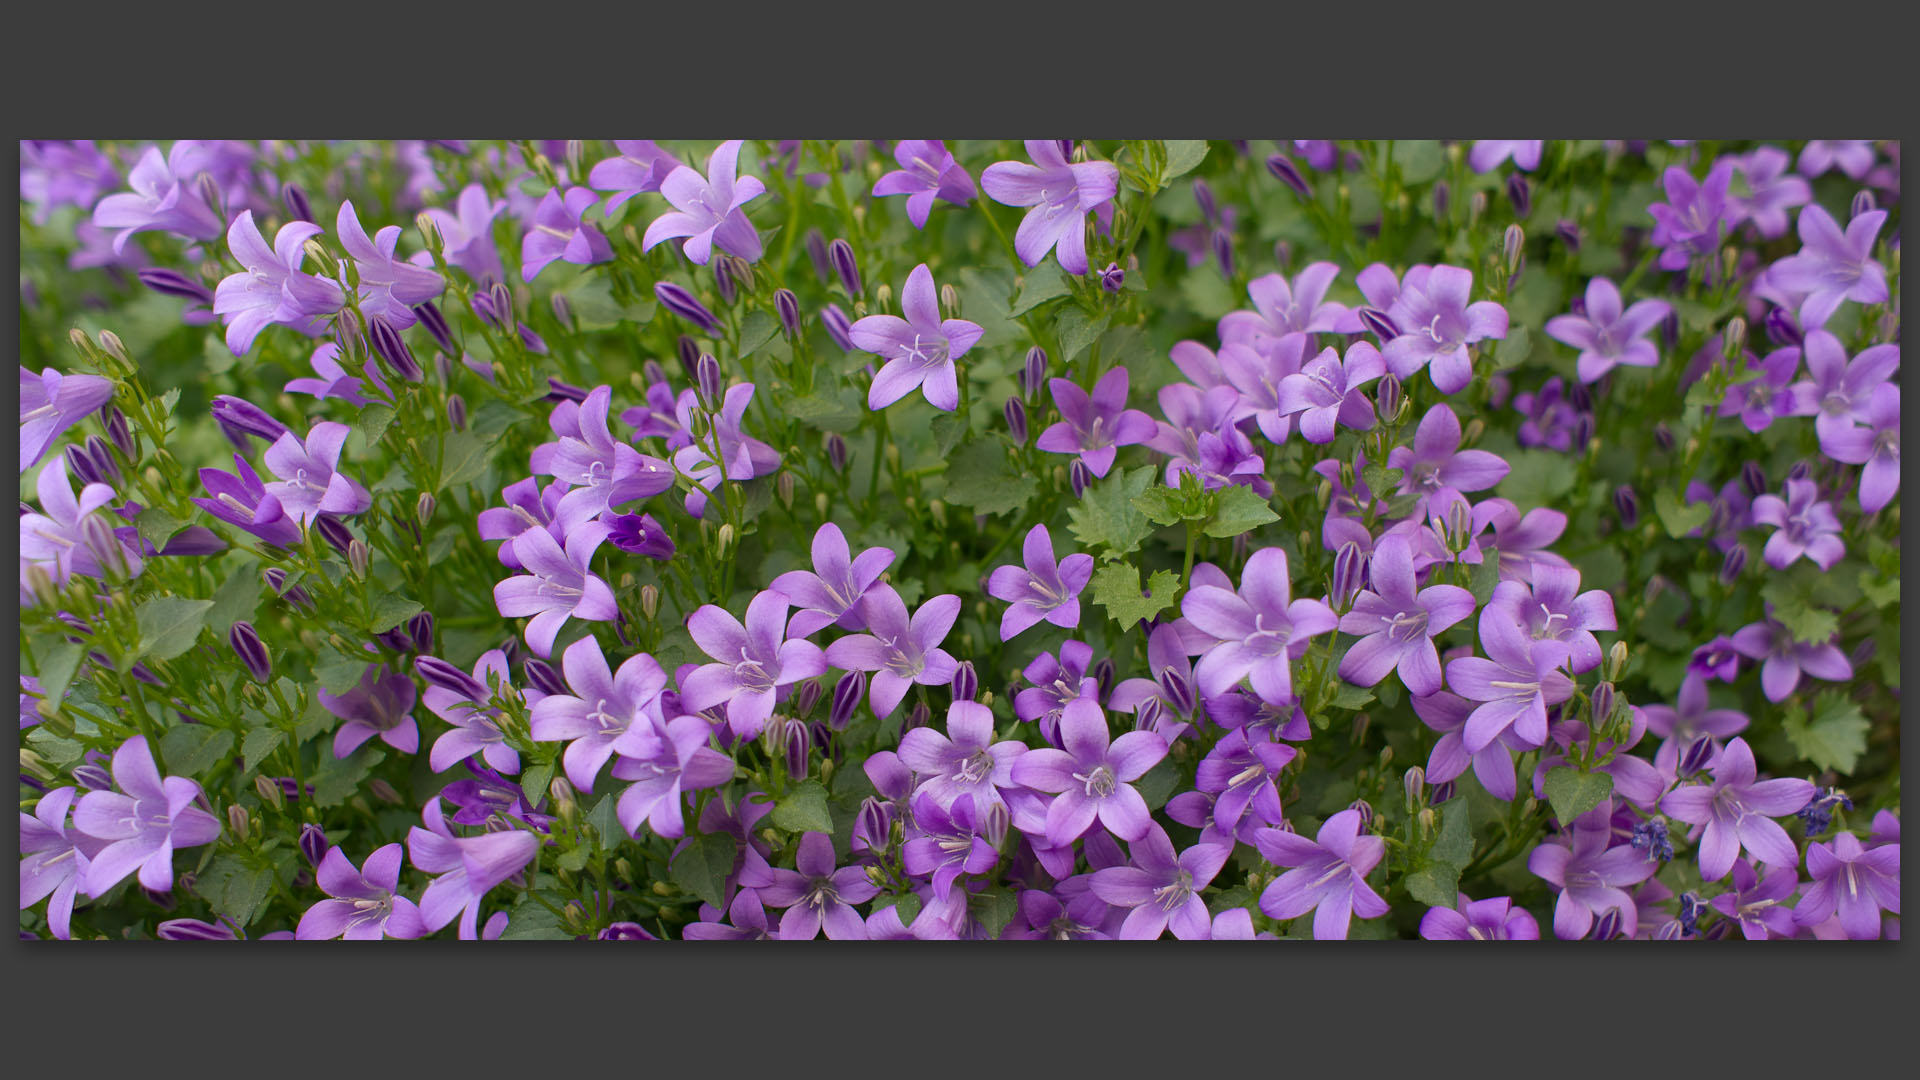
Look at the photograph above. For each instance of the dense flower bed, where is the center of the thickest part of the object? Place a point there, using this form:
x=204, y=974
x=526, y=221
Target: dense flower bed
x=960, y=540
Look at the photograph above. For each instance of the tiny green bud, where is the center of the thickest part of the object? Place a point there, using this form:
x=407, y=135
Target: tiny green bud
x=238, y=819
x=950, y=300
x=269, y=792
x=359, y=557
x=883, y=298
x=30, y=763
x=649, y=601
x=1428, y=820
x=1476, y=427
x=564, y=803
x=430, y=233
x=723, y=541
x=384, y=791
x=111, y=344
x=820, y=503
x=623, y=869
x=1735, y=341
x=783, y=486
x=1616, y=661
x=877, y=876
x=937, y=510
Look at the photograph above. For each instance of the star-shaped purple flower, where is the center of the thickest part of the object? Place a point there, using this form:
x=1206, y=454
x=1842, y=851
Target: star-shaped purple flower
x=1399, y=623
x=1092, y=778
x=1437, y=324
x=965, y=761
x=927, y=172
x=1494, y=919
x=56, y=863
x=1771, y=192
x=1783, y=658
x=816, y=895
x=1329, y=875
x=390, y=288
x=830, y=594
x=1758, y=904
x=50, y=403
x=1608, y=336
x=1832, y=266
x=1095, y=426
x=1161, y=888
x=666, y=761
x=1327, y=393
x=558, y=233
x=380, y=704
x=1061, y=195
x=1839, y=391
x=1552, y=608
x=600, y=710
x=1687, y=720
x=1280, y=310
x=708, y=208
x=1261, y=629
x=1852, y=881
x=141, y=828
x=1876, y=447
x=1693, y=219
x=1803, y=525
x=1435, y=461
x=467, y=233
x=1738, y=812
x=752, y=662
x=1591, y=874
x=309, y=483
x=900, y=652
x=468, y=868
x=1487, y=154
x=271, y=287
x=1515, y=683
x=164, y=197
x=641, y=167
x=558, y=586
x=920, y=349
x=364, y=904
x=1042, y=589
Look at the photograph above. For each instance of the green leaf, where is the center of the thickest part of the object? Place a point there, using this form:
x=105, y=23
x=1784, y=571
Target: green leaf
x=338, y=673
x=533, y=782
x=605, y=819
x=833, y=407
x=908, y=903
x=156, y=526
x=1538, y=478
x=259, y=743
x=390, y=610
x=1678, y=519
x=1351, y=697
x=756, y=330
x=1077, y=331
x=338, y=779
x=1419, y=160
x=1486, y=575
x=994, y=908
x=1161, y=505
x=233, y=888
x=703, y=867
x=237, y=598
x=1454, y=845
x=804, y=809
x=368, y=430
x=1183, y=156
x=1435, y=884
x=1107, y=517
x=1116, y=587
x=463, y=457
x=493, y=418
x=57, y=666
x=1835, y=736
x=1042, y=283
x=1381, y=480
x=1797, y=610
x=533, y=922
x=1572, y=792
x=978, y=477
x=1513, y=350
x=190, y=749
x=1157, y=784
x=1881, y=591
x=169, y=625
x=1240, y=510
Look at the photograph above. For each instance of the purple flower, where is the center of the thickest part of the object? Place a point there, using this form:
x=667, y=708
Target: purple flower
x=270, y=287
x=1240, y=772
x=744, y=457
x=1737, y=811
x=1876, y=446
x=665, y=761
x=748, y=918
x=605, y=472
x=1060, y=193
x=390, y=288
x=1591, y=875
x=1761, y=400
x=949, y=842
x=831, y=594
x=1487, y=154
x=1771, y=192
x=1092, y=777
x=1437, y=324
x=57, y=539
x=1495, y=919
x=641, y=167
x=1329, y=875
x=1688, y=720
x=486, y=797
x=164, y=197
x=558, y=233
x=815, y=894
x=709, y=213
x=754, y=661
x=899, y=652
x=920, y=349
x=1257, y=376
x=927, y=171
x=467, y=233
x=1801, y=527
x=1693, y=218
x=476, y=728
x=528, y=507
x=56, y=173
x=1162, y=888
x=142, y=827
x=1199, y=436
x=1840, y=392
x=1832, y=266
x=600, y=710
x=1042, y=589
x=1853, y=156
x=1261, y=629
x=1056, y=683
x=57, y=860
x=365, y=905
x=1326, y=392
x=335, y=382
x=1095, y=426
x=1550, y=418
x=1435, y=462
x=1280, y=310
x=50, y=403
x=639, y=534
x=381, y=704
x=1783, y=658
x=1171, y=683
x=1549, y=609
x=1399, y=623
x=468, y=868
x=1514, y=685
x=1852, y=881
x=1607, y=336
x=240, y=500
x=1757, y=903
x=309, y=484
x=1493, y=763
x=965, y=760
x=559, y=584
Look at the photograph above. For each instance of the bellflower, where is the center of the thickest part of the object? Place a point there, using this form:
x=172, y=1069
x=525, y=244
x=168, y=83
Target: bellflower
x=559, y=584
x=1092, y=777
x=56, y=539
x=1447, y=714
x=1606, y=335
x=965, y=760
x=1549, y=609
x=830, y=594
x=641, y=166
x=1802, y=526
x=1056, y=683
x=271, y=287
x=1737, y=811
x=1436, y=462
x=1687, y=720
x=606, y=473
x=1043, y=588
x=1761, y=400
x=1398, y=623
x=142, y=827
x=753, y=662
x=1771, y=191
x=1061, y=195
x=1876, y=446
x=1855, y=882
x=601, y=709
x=1591, y=874
x=1329, y=875
x=475, y=727
x=708, y=208
x=1240, y=772
x=816, y=895
x=240, y=499
x=927, y=172
x=920, y=349
x=1514, y=685
x=1521, y=541
x=949, y=842
x=1280, y=310
x=1261, y=629
x=666, y=761
x=1161, y=888
x=164, y=196
x=390, y=288
x=744, y=457
x=1550, y=418
x=559, y=233
x=1832, y=266
x=1783, y=658
x=364, y=904
x=1494, y=919
x=335, y=382
x=381, y=703
x=1693, y=219
x=1171, y=683
x=50, y=403
x=467, y=233
x=1437, y=324
x=1198, y=435
x=57, y=172
x=1257, y=375
x=899, y=651
x=528, y=507
x=1853, y=156
x=1327, y=392
x=1487, y=154
x=1839, y=392
x=468, y=867
x=309, y=483
x=56, y=862
x=1094, y=426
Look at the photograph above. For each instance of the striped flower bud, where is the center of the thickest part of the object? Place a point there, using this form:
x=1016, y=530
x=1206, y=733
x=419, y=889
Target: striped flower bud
x=1112, y=279
x=816, y=245
x=1104, y=673
x=966, y=681
x=917, y=717
x=392, y=348
x=1203, y=195
x=799, y=747
x=1734, y=562
x=420, y=632
x=295, y=200
x=838, y=327
x=1627, y=505
x=1220, y=242
x=244, y=415
x=723, y=279
x=92, y=776
x=1441, y=199
x=686, y=305
x=1016, y=414
x=1863, y=203
x=1080, y=477
x=1602, y=706
x=1349, y=574
x=1520, y=194
x=543, y=677
x=313, y=843
x=1440, y=793
x=787, y=307
x=1414, y=782
x=1783, y=329
x=995, y=822
x=1568, y=233
x=688, y=351
x=80, y=463
x=436, y=323
x=949, y=301
x=1177, y=689
x=119, y=432
x=1285, y=171
x=1033, y=376
x=194, y=930
x=707, y=374
x=875, y=821
x=1379, y=324
x=174, y=283
x=1754, y=479
x=649, y=601
x=1696, y=755
x=251, y=651
x=846, y=698
x=806, y=697
x=1607, y=927
x=840, y=257
x=447, y=677
x=838, y=453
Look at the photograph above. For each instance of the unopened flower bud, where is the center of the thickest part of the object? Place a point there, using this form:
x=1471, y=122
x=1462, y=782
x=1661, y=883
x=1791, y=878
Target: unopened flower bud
x=1203, y=195
x=1520, y=194
x=391, y=347
x=1513, y=245
x=875, y=822
x=1178, y=690
x=439, y=673
x=966, y=681
x=91, y=775
x=1601, y=704
x=1360, y=723
x=313, y=843
x=1800, y=471
x=1627, y=505
x=649, y=601
x=1734, y=340
x=1016, y=414
x=1569, y=234
x=799, y=746
x=1381, y=326
x=723, y=541
x=1285, y=171
x=840, y=257
x=723, y=280
x=173, y=283
x=1754, y=479
x=787, y=307
x=1220, y=242
x=1783, y=329
x=917, y=717
x=816, y=246
x=380, y=789
x=252, y=651
x=1113, y=278
x=269, y=791
x=1616, y=661
x=1365, y=810
x=105, y=547
x=846, y=698
x=1414, y=781
x=1607, y=927
x=1863, y=203
x=238, y=819
x=80, y=463
x=1104, y=673
x=1080, y=477
x=457, y=412
x=1033, y=376
x=1440, y=793
x=245, y=416
x=1441, y=200
x=837, y=452
x=707, y=374
x=1696, y=755
x=543, y=677
x=838, y=327
x=1734, y=562
x=1350, y=566
x=436, y=325
x=686, y=305
x=949, y=301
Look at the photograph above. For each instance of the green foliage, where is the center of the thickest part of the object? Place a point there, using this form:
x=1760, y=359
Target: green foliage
x=1835, y=735
x=803, y=809
x=1107, y=516
x=979, y=477
x=169, y=625
x=1116, y=587
x=1572, y=792
x=703, y=867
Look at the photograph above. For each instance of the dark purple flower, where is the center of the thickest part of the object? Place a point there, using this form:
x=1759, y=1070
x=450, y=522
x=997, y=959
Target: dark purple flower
x=1329, y=875
x=1688, y=720
x=1840, y=393
x=752, y=662
x=1043, y=588
x=1783, y=658
x=1436, y=462
x=1092, y=777
x=1693, y=219
x=666, y=761
x=898, y=651
x=1758, y=904
x=559, y=584
x=381, y=704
